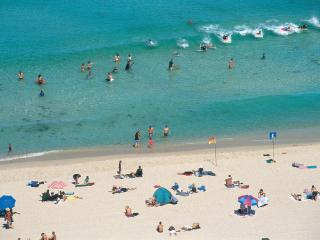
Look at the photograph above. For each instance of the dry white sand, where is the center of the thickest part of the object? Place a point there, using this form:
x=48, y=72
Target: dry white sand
x=99, y=215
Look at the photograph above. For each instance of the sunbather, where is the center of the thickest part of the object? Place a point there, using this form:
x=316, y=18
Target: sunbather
x=314, y=192
x=151, y=202
x=160, y=228
x=128, y=212
x=297, y=197
x=120, y=189
x=263, y=200
x=172, y=230
x=139, y=172
x=192, y=227
x=230, y=183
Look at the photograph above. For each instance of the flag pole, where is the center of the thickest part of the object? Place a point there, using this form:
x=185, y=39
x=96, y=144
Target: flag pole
x=215, y=154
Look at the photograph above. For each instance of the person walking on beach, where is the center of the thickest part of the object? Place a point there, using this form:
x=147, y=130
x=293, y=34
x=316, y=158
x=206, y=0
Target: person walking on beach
x=166, y=131
x=231, y=63
x=137, y=139
x=119, y=169
x=43, y=236
x=20, y=75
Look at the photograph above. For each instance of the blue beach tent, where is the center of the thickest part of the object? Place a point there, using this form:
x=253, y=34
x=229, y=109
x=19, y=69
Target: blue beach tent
x=162, y=196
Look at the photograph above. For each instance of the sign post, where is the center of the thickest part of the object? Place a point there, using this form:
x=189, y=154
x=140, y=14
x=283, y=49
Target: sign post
x=213, y=140
x=273, y=136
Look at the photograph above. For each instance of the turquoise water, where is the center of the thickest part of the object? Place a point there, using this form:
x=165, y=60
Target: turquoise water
x=202, y=97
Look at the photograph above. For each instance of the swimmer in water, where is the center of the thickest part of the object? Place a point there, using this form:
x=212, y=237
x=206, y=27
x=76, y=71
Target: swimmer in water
x=171, y=65
x=190, y=22
x=166, y=131
x=89, y=68
x=263, y=56
x=225, y=37
x=116, y=58
x=109, y=77
x=20, y=75
x=231, y=63
x=40, y=80
x=115, y=69
x=83, y=67
x=203, y=47
x=41, y=93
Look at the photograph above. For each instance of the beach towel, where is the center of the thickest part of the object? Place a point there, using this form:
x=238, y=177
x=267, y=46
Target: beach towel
x=85, y=185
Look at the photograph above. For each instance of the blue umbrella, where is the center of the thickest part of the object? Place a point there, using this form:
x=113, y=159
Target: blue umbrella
x=7, y=201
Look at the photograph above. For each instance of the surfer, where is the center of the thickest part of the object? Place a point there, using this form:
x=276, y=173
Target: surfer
x=171, y=64
x=20, y=75
x=231, y=63
x=203, y=47
x=303, y=27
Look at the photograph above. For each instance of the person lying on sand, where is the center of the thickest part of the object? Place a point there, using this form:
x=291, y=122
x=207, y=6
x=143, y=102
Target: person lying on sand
x=194, y=226
x=151, y=202
x=120, y=189
x=297, y=197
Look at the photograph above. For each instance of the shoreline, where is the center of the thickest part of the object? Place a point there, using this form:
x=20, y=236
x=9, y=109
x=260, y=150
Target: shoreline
x=76, y=155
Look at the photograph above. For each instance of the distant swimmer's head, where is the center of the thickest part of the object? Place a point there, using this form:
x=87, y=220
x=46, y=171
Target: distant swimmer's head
x=39, y=76
x=41, y=93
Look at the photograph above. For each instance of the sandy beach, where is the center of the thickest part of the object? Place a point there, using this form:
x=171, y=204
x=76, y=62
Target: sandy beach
x=100, y=214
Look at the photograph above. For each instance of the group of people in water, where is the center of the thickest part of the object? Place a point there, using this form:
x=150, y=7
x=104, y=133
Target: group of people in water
x=137, y=136
x=39, y=80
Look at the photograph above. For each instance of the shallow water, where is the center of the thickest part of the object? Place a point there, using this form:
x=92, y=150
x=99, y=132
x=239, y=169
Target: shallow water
x=201, y=98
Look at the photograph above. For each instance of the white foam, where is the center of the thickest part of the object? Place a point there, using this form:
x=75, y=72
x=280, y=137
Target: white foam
x=314, y=21
x=27, y=155
x=183, y=43
x=242, y=30
x=283, y=29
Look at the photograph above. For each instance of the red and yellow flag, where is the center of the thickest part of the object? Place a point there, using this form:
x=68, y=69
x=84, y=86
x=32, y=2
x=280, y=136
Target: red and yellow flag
x=212, y=140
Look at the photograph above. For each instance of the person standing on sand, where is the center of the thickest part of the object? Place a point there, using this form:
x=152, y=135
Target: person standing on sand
x=160, y=228
x=119, y=170
x=166, y=131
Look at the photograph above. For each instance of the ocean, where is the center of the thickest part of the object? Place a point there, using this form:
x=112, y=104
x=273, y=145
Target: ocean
x=199, y=99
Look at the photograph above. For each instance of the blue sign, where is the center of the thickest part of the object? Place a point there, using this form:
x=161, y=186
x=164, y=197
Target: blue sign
x=272, y=135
